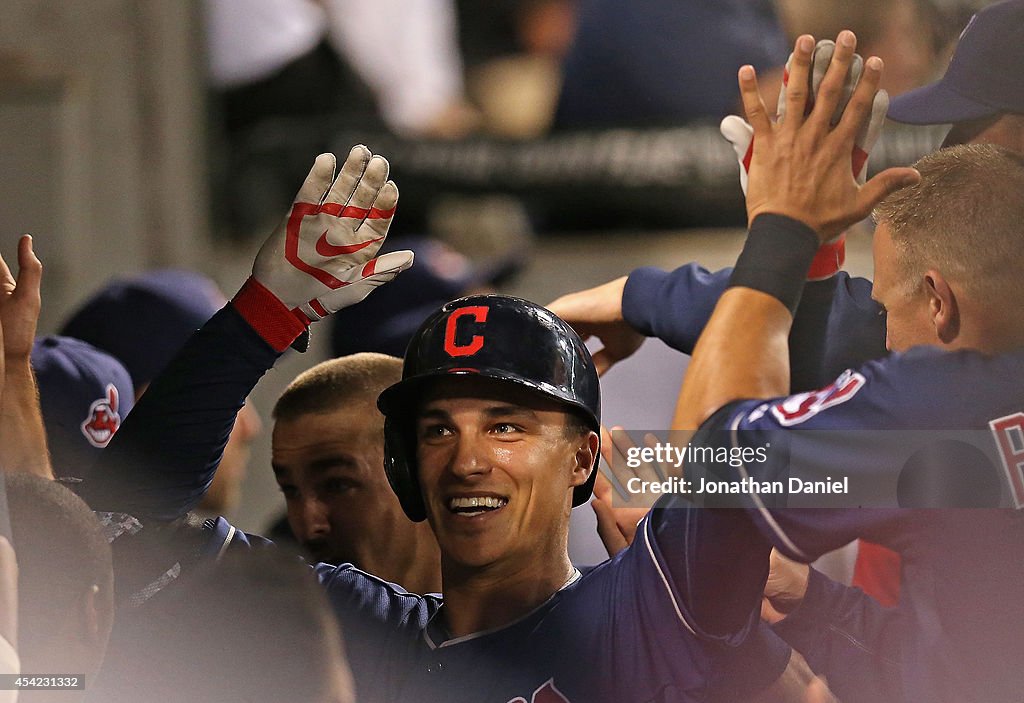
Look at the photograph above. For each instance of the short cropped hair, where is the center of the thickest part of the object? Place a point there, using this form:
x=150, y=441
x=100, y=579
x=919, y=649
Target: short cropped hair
x=62, y=553
x=577, y=424
x=965, y=218
x=349, y=380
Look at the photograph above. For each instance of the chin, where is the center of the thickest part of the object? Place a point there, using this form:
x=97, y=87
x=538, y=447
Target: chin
x=472, y=555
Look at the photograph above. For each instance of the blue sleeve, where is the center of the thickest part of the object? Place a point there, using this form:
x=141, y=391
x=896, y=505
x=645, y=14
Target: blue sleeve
x=380, y=623
x=162, y=460
x=717, y=561
x=837, y=324
x=878, y=429
x=655, y=597
x=355, y=594
x=855, y=333
x=673, y=306
x=846, y=636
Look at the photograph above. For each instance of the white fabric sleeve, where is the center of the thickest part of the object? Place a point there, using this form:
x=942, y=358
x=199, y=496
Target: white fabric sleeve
x=406, y=51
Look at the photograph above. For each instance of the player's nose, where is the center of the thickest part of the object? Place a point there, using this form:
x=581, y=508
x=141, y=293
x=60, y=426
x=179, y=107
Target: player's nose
x=314, y=518
x=469, y=457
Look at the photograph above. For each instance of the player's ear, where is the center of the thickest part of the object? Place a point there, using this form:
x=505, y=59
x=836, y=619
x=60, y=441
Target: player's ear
x=943, y=309
x=586, y=452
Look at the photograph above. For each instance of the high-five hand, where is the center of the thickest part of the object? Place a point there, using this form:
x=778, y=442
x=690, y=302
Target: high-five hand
x=321, y=257
x=794, y=164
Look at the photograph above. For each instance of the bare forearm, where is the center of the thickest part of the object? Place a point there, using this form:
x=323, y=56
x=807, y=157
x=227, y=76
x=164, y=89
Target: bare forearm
x=22, y=434
x=743, y=353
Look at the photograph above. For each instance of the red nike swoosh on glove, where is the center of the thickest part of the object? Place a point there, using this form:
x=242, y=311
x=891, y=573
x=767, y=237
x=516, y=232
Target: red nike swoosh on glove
x=326, y=249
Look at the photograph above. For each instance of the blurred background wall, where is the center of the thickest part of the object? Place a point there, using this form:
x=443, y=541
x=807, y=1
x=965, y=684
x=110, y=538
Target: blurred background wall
x=102, y=137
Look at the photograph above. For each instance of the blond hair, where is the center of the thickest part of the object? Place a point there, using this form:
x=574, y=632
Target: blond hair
x=965, y=219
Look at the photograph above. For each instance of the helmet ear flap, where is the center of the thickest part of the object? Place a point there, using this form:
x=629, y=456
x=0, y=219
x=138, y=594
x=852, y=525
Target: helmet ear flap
x=400, y=467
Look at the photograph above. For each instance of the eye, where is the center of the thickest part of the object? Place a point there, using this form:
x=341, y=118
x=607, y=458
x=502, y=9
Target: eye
x=334, y=486
x=434, y=431
x=506, y=428
x=289, y=492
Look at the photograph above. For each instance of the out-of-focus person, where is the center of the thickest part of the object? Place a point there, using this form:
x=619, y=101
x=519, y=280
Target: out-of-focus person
x=328, y=461
x=142, y=322
x=274, y=58
x=254, y=628
x=665, y=62
x=65, y=583
x=909, y=35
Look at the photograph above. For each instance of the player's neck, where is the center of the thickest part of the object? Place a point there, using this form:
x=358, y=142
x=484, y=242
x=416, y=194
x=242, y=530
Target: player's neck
x=421, y=572
x=480, y=599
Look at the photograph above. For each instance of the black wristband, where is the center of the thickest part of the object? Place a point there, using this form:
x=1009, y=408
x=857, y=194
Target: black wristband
x=775, y=258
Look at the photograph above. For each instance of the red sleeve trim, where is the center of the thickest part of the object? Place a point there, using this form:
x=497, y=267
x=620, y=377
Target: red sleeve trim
x=828, y=260
x=267, y=315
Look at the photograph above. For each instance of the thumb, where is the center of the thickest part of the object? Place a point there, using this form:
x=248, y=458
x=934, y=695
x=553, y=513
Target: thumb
x=741, y=135
x=375, y=272
x=385, y=268
x=884, y=184
x=30, y=270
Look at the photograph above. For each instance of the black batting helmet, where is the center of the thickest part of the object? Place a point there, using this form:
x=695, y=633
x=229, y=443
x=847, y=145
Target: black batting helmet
x=493, y=336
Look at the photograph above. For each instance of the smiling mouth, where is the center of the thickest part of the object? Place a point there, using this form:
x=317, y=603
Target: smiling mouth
x=476, y=505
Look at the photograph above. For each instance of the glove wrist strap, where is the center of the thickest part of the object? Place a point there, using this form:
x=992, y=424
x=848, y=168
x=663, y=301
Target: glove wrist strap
x=828, y=260
x=267, y=315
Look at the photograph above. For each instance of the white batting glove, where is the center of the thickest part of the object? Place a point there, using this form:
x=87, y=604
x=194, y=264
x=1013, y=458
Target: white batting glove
x=832, y=254
x=820, y=60
x=320, y=259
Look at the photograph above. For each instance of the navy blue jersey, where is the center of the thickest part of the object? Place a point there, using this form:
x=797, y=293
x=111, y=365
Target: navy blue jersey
x=620, y=633
x=956, y=632
x=837, y=325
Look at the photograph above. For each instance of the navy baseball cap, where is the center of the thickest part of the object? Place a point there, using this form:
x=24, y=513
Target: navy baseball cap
x=386, y=320
x=983, y=78
x=144, y=321
x=84, y=394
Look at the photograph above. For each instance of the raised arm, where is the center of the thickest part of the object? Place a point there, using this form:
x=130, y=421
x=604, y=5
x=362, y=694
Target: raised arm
x=801, y=192
x=319, y=260
x=22, y=434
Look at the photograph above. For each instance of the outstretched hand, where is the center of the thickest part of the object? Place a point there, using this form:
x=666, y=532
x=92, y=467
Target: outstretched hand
x=617, y=517
x=597, y=312
x=321, y=257
x=803, y=167
x=616, y=526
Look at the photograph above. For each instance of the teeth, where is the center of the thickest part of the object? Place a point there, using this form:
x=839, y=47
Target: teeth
x=488, y=502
